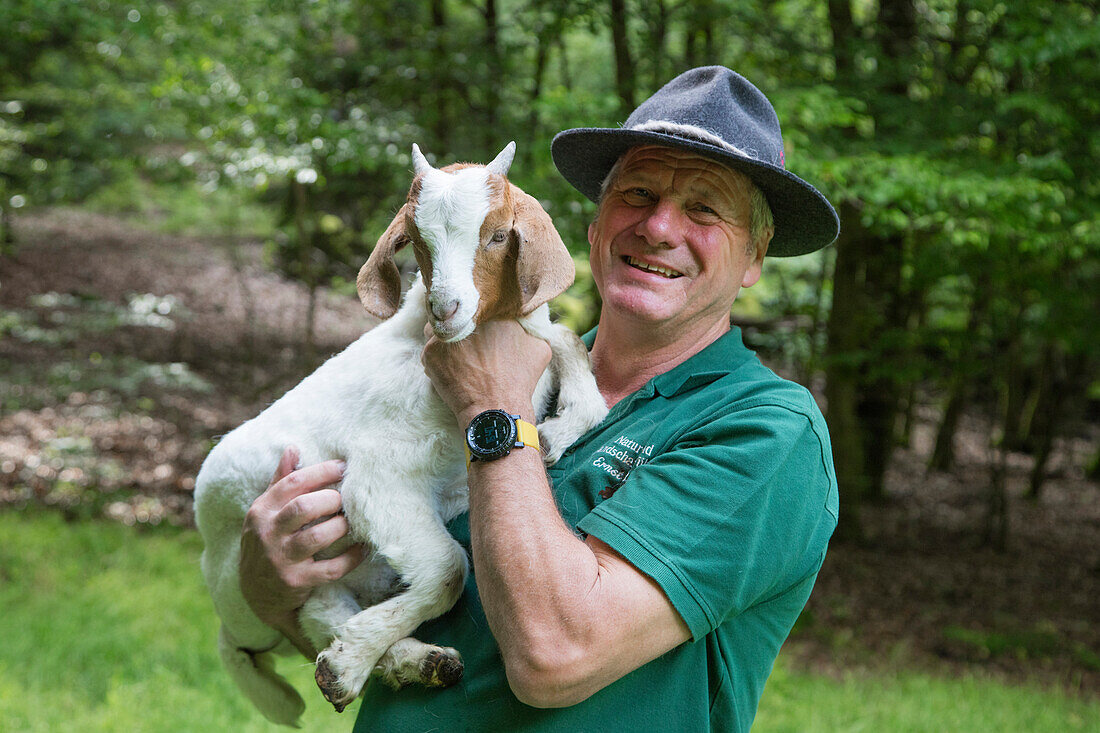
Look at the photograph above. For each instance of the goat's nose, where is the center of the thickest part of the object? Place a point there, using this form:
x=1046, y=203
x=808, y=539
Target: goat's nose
x=444, y=309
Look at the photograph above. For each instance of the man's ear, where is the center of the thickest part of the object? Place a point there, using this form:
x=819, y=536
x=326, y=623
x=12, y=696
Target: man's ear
x=756, y=266
x=544, y=268
x=379, y=281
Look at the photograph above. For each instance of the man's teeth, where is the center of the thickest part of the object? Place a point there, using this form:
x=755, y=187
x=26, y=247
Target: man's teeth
x=634, y=262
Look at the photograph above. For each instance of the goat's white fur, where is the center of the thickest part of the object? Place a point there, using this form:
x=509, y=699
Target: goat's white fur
x=373, y=406
x=449, y=215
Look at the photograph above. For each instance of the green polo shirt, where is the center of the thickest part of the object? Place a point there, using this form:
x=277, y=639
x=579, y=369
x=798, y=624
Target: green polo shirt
x=716, y=480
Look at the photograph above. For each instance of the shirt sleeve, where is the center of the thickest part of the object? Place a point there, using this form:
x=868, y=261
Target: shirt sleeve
x=736, y=511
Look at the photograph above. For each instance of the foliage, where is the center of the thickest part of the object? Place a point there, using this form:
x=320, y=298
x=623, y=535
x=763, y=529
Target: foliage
x=956, y=136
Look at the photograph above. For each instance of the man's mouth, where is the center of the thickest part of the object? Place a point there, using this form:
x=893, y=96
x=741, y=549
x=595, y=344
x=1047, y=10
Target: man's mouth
x=648, y=267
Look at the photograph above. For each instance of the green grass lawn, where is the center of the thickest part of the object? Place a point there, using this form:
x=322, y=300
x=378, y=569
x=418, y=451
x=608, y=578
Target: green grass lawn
x=108, y=628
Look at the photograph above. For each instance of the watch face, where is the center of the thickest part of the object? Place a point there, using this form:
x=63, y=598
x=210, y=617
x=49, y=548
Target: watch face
x=492, y=432
x=491, y=435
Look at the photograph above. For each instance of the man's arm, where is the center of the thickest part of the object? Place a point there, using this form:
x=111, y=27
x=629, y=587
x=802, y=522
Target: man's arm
x=570, y=616
x=278, y=542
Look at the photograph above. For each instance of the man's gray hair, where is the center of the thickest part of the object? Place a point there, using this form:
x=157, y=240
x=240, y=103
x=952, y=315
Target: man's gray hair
x=761, y=221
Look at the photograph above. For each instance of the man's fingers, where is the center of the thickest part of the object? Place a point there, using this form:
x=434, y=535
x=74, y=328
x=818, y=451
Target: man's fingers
x=309, y=507
x=326, y=571
x=286, y=464
x=305, y=480
x=311, y=540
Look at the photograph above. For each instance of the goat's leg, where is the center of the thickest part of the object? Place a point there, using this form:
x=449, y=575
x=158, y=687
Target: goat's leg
x=327, y=608
x=409, y=534
x=255, y=675
x=580, y=405
x=409, y=661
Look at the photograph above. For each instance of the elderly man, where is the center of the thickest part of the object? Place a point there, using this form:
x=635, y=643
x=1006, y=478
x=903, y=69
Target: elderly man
x=649, y=578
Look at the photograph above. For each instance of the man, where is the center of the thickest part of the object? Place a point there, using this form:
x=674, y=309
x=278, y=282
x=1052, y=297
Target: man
x=648, y=579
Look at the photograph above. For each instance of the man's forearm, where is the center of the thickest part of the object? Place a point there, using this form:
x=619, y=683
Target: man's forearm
x=533, y=574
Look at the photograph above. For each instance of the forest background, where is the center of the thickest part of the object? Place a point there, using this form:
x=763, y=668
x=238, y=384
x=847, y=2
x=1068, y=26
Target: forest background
x=950, y=333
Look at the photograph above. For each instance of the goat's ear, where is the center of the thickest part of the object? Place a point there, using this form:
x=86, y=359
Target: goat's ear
x=379, y=281
x=544, y=268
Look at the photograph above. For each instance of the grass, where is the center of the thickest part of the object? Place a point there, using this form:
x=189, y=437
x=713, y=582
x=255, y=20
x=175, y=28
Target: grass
x=109, y=628
x=909, y=702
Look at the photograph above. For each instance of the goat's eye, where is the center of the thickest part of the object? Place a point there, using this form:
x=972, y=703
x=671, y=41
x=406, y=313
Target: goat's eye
x=499, y=236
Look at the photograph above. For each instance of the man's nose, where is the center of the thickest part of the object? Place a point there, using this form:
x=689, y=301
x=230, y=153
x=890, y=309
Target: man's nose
x=663, y=225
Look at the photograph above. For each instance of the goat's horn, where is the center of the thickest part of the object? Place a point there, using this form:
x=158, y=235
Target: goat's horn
x=420, y=163
x=503, y=161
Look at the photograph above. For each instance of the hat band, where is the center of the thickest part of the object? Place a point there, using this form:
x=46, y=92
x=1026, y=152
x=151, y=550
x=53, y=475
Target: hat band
x=691, y=132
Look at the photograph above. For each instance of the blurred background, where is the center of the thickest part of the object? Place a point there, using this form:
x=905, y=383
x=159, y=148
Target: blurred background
x=187, y=190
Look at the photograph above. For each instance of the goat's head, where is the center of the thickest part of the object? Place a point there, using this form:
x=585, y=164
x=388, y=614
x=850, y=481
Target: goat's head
x=485, y=248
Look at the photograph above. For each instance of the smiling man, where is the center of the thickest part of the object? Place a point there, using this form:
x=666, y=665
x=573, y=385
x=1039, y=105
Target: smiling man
x=648, y=579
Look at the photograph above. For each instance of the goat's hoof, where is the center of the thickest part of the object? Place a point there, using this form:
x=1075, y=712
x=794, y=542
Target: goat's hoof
x=330, y=685
x=441, y=668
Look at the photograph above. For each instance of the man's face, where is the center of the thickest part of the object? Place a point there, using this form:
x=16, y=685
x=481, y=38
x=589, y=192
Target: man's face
x=670, y=244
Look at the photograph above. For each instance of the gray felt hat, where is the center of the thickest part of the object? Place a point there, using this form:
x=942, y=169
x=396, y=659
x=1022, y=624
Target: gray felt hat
x=717, y=113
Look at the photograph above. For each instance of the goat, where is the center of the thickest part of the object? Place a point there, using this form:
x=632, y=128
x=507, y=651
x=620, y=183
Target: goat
x=485, y=250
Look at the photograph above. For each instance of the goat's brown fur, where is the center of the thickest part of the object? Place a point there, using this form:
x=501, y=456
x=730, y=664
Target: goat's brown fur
x=513, y=277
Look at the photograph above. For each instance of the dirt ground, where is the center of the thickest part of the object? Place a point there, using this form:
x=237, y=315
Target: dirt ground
x=124, y=353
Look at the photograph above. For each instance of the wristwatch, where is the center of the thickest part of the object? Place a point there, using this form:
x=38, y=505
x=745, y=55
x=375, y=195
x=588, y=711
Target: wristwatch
x=494, y=433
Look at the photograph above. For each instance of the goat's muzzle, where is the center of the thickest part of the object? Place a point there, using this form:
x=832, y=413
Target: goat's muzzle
x=443, y=309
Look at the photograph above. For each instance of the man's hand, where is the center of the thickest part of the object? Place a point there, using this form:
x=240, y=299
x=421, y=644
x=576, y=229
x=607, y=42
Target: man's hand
x=279, y=540
x=497, y=366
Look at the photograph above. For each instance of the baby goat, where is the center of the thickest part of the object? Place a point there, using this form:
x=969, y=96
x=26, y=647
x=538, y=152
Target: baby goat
x=486, y=250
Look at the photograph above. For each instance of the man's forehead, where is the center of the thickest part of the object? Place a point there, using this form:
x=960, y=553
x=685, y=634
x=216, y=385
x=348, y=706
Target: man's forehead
x=684, y=169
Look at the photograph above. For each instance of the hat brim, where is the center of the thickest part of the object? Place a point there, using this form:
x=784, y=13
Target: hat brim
x=804, y=219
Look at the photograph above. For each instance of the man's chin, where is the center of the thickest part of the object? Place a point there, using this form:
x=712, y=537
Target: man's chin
x=640, y=305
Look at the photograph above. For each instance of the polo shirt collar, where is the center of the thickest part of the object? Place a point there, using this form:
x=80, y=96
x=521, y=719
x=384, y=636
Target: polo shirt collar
x=716, y=360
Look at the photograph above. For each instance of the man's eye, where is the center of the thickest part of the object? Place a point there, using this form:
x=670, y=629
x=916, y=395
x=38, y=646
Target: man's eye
x=704, y=209
x=638, y=195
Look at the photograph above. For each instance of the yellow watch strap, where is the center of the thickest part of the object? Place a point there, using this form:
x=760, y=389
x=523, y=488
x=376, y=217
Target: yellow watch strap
x=527, y=434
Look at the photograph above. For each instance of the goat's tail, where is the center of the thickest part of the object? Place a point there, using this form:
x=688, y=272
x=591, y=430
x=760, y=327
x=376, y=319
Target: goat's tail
x=255, y=675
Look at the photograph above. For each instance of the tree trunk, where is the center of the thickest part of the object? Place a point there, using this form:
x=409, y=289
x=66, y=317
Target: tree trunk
x=842, y=369
x=658, y=32
x=915, y=312
x=817, y=325
x=995, y=530
x=897, y=33
x=311, y=321
x=494, y=59
x=843, y=31
x=306, y=274
x=997, y=516
x=7, y=236
x=1064, y=378
x=624, y=66
x=566, y=72
x=885, y=321
x=1017, y=393
x=943, y=455
x=691, y=54
x=441, y=124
